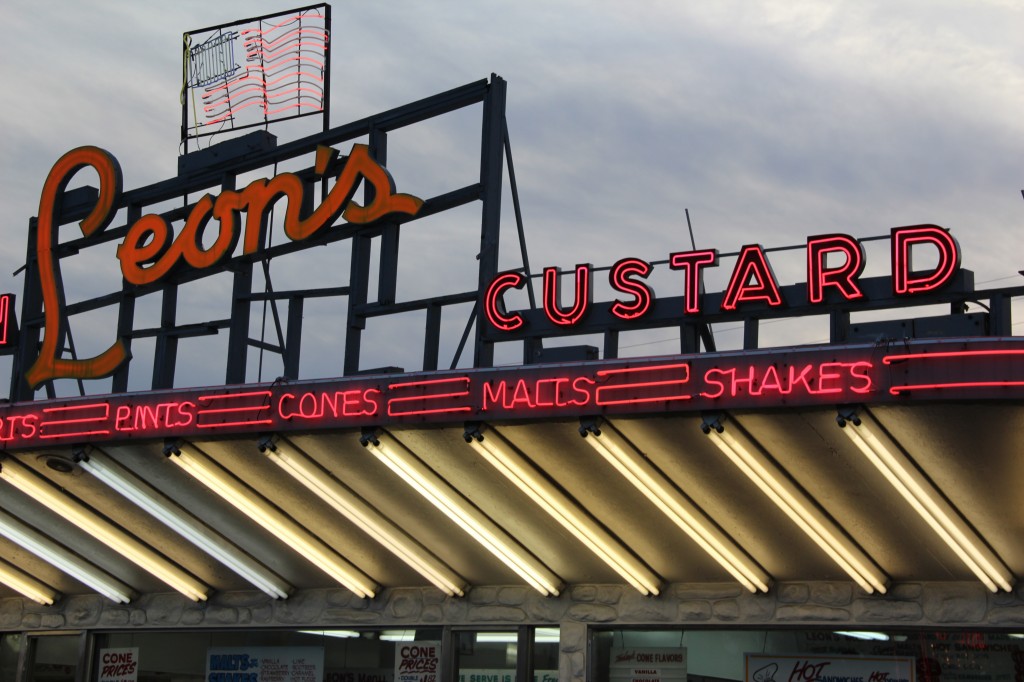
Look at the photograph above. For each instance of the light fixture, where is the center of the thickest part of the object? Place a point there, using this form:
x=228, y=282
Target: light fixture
x=881, y=450
x=438, y=492
x=26, y=585
x=257, y=508
x=864, y=635
x=181, y=522
x=307, y=472
x=650, y=481
x=791, y=499
x=59, y=557
x=46, y=494
x=503, y=456
x=398, y=636
x=540, y=636
x=340, y=634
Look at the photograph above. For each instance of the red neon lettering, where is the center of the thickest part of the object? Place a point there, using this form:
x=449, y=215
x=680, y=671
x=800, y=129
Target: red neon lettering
x=861, y=370
x=843, y=277
x=826, y=378
x=427, y=399
x=527, y=395
x=494, y=304
x=803, y=378
x=351, y=403
x=752, y=280
x=638, y=391
x=5, y=318
x=521, y=396
x=770, y=382
x=16, y=426
x=691, y=262
x=710, y=380
x=581, y=300
x=903, y=239
x=954, y=355
x=493, y=394
x=149, y=417
x=621, y=279
x=829, y=377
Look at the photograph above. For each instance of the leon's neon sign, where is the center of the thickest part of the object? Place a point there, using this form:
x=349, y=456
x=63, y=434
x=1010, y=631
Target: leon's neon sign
x=834, y=264
x=151, y=251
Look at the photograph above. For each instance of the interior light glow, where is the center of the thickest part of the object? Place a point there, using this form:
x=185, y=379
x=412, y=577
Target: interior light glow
x=881, y=450
x=26, y=585
x=867, y=636
x=45, y=493
x=55, y=555
x=181, y=522
x=540, y=636
x=340, y=634
x=398, y=636
x=303, y=469
x=257, y=508
x=650, y=481
x=494, y=448
x=759, y=468
x=400, y=460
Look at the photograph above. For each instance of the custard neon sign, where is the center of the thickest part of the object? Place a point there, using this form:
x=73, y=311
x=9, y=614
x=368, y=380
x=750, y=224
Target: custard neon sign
x=151, y=251
x=834, y=264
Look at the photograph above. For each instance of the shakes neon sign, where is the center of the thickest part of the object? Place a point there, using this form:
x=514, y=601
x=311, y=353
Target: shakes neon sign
x=752, y=282
x=151, y=251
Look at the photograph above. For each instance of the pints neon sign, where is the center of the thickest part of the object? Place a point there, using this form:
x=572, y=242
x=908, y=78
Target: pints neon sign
x=151, y=251
x=834, y=264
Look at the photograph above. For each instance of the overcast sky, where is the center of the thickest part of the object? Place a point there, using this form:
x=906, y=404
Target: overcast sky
x=770, y=121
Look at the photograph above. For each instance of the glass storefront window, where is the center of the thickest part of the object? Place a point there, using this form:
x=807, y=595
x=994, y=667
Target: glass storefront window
x=10, y=649
x=806, y=656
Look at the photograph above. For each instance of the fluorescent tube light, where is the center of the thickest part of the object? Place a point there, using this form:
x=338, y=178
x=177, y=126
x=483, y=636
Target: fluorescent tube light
x=881, y=450
x=45, y=493
x=26, y=585
x=340, y=634
x=759, y=468
x=253, y=505
x=307, y=472
x=181, y=522
x=398, y=636
x=438, y=492
x=867, y=636
x=650, y=481
x=540, y=636
x=502, y=455
x=55, y=555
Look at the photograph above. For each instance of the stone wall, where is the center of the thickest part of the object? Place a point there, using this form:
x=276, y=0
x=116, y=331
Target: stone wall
x=828, y=604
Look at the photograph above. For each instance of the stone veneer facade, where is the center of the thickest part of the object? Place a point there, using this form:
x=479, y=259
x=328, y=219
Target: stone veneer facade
x=828, y=604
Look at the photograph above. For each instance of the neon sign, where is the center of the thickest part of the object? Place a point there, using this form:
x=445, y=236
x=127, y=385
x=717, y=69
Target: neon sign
x=151, y=251
x=751, y=284
x=964, y=369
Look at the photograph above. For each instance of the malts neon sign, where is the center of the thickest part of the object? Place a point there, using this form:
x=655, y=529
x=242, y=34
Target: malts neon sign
x=834, y=263
x=965, y=369
x=151, y=251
